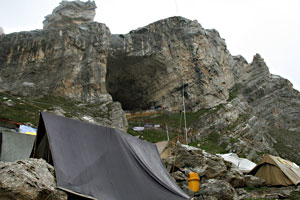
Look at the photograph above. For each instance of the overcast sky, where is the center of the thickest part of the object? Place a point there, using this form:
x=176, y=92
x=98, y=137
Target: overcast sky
x=268, y=27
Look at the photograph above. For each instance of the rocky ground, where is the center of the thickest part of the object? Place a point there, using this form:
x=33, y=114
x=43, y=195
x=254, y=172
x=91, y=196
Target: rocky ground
x=34, y=179
x=31, y=179
x=220, y=179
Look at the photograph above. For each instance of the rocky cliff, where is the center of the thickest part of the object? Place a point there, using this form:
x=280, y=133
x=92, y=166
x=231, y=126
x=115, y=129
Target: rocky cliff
x=248, y=109
x=66, y=59
x=75, y=67
x=241, y=105
x=151, y=66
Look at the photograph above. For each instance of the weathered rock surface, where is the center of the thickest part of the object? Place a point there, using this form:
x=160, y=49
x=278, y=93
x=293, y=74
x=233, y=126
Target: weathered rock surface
x=252, y=111
x=218, y=178
x=151, y=66
x=67, y=59
x=208, y=166
x=31, y=179
x=70, y=13
x=237, y=128
x=216, y=189
x=69, y=62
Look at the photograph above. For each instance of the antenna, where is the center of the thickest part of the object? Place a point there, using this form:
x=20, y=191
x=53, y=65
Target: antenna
x=184, y=117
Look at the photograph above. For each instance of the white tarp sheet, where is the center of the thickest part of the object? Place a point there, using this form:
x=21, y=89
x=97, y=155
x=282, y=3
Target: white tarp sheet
x=138, y=128
x=27, y=130
x=242, y=164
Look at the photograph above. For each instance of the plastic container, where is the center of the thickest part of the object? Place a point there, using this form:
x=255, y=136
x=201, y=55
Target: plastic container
x=194, y=181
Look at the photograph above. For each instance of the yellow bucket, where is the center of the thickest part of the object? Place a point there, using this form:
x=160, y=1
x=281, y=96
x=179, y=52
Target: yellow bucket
x=194, y=181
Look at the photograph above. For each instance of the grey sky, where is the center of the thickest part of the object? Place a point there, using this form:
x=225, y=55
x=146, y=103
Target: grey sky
x=268, y=27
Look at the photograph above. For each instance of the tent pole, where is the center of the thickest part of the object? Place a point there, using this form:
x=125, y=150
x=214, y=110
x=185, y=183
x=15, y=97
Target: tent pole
x=167, y=133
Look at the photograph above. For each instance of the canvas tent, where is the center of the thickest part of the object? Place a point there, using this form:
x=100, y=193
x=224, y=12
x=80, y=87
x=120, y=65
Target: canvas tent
x=164, y=149
x=15, y=146
x=242, y=164
x=103, y=163
x=277, y=171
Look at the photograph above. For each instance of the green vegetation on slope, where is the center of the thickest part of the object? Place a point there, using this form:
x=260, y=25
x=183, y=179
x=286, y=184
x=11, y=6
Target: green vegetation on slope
x=287, y=144
x=27, y=109
x=211, y=144
x=175, y=123
x=234, y=91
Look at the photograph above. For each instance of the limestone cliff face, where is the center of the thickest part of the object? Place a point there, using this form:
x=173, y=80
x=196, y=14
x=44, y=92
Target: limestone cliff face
x=272, y=97
x=250, y=109
x=151, y=66
x=68, y=59
x=69, y=62
x=261, y=112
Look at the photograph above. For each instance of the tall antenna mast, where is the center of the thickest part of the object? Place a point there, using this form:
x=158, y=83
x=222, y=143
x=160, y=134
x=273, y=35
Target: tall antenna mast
x=184, y=117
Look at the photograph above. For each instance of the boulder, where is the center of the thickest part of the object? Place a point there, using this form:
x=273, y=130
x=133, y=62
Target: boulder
x=31, y=179
x=253, y=181
x=216, y=189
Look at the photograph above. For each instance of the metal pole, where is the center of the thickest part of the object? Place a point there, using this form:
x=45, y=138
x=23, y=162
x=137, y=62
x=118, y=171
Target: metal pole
x=167, y=133
x=184, y=117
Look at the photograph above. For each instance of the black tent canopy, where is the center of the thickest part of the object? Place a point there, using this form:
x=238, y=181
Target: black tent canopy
x=103, y=163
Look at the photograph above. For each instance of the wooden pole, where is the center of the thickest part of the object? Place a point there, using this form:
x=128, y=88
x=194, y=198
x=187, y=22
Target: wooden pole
x=167, y=133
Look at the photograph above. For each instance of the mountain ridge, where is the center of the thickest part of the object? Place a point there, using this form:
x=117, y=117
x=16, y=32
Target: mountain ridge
x=152, y=67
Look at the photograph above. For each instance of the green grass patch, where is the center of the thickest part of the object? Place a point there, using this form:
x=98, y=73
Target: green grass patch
x=174, y=120
x=234, y=91
x=259, y=189
x=233, y=140
x=287, y=143
x=295, y=195
x=259, y=198
x=151, y=135
x=242, y=118
x=211, y=144
x=27, y=109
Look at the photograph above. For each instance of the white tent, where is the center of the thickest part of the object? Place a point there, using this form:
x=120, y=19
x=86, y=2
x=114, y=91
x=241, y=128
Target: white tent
x=242, y=164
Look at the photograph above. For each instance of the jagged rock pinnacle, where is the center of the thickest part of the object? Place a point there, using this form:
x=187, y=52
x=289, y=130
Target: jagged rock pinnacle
x=68, y=13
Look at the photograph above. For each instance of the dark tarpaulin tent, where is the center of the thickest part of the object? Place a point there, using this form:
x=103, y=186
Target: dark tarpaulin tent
x=103, y=163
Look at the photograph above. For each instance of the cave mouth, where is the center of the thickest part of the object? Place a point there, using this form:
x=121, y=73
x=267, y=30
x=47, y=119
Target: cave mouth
x=133, y=81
